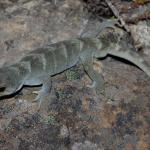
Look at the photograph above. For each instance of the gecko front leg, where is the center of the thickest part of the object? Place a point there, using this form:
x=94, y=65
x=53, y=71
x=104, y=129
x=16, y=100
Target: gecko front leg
x=44, y=93
x=97, y=78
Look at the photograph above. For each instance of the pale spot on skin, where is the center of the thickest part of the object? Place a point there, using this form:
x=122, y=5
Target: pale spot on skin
x=97, y=66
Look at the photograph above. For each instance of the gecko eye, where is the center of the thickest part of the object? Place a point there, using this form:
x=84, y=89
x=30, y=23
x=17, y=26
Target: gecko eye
x=2, y=86
x=2, y=83
x=2, y=89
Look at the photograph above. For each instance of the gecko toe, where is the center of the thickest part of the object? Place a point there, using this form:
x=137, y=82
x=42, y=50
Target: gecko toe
x=99, y=87
x=42, y=99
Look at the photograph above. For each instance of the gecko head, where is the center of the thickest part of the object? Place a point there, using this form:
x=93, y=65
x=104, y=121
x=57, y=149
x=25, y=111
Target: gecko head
x=4, y=84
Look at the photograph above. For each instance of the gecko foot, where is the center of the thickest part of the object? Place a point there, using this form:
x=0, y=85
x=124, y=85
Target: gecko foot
x=100, y=89
x=43, y=100
x=44, y=94
x=98, y=86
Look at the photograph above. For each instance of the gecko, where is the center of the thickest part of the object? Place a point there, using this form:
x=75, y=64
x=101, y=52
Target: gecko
x=38, y=66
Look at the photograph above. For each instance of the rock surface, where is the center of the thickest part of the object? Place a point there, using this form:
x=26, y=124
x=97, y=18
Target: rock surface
x=76, y=117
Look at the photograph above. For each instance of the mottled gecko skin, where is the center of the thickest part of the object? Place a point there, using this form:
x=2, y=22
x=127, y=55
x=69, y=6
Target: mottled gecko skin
x=39, y=65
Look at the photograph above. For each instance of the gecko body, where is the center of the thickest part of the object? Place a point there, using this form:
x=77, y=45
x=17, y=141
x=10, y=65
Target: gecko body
x=37, y=67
